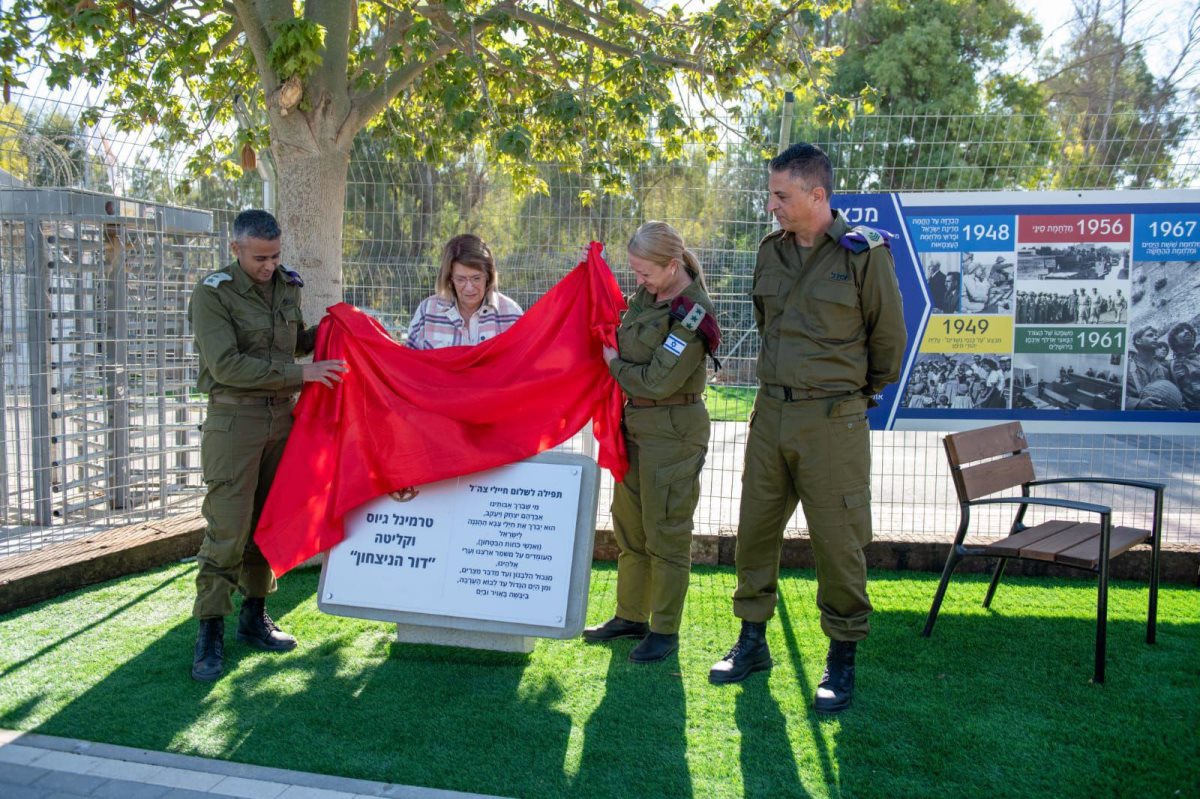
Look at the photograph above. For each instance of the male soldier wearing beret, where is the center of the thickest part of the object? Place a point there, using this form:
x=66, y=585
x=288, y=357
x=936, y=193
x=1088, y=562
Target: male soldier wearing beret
x=828, y=309
x=248, y=327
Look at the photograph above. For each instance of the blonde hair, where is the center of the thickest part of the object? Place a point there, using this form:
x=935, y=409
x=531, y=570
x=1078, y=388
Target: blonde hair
x=659, y=243
x=469, y=250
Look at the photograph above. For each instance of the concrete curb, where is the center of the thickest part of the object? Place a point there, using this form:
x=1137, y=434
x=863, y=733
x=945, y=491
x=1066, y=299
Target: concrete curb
x=228, y=779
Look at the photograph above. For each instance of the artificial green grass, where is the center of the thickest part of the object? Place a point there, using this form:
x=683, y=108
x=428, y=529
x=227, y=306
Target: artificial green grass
x=729, y=403
x=996, y=703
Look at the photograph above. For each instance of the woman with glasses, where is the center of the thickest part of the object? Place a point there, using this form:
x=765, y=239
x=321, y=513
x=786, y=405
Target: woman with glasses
x=467, y=308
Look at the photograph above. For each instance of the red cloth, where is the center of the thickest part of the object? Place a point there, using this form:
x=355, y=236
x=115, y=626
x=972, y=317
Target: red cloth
x=404, y=417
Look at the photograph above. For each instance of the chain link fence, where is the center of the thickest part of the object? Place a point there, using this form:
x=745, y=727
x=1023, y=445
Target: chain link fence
x=98, y=368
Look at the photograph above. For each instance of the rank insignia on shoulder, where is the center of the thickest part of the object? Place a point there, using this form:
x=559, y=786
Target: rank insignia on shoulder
x=216, y=279
x=863, y=238
x=674, y=345
x=291, y=276
x=693, y=317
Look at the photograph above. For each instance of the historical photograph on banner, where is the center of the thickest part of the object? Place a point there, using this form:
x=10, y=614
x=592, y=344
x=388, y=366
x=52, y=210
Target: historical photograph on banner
x=959, y=381
x=943, y=275
x=1086, y=261
x=1067, y=382
x=1164, y=363
x=987, y=282
x=1073, y=303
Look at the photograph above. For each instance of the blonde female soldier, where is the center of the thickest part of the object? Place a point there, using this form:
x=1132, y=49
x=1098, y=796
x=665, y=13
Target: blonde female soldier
x=664, y=335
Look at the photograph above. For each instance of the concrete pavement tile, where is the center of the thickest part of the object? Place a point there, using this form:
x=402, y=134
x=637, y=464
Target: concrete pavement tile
x=19, y=775
x=67, y=761
x=21, y=792
x=182, y=778
x=305, y=792
x=185, y=793
x=15, y=753
x=124, y=789
x=68, y=782
x=249, y=788
x=124, y=770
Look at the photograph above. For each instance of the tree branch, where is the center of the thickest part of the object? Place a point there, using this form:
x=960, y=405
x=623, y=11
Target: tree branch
x=391, y=35
x=584, y=37
x=260, y=43
x=779, y=17
x=335, y=19
x=367, y=105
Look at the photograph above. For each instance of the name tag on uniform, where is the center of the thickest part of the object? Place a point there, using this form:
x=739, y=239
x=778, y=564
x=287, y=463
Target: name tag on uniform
x=674, y=345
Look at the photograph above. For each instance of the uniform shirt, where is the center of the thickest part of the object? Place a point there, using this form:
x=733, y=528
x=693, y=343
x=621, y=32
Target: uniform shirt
x=248, y=344
x=647, y=364
x=437, y=322
x=834, y=322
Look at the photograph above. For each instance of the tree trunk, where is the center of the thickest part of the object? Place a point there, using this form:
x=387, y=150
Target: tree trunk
x=312, y=201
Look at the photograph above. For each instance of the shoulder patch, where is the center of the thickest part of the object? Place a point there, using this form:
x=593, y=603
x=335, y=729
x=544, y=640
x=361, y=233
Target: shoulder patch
x=694, y=317
x=863, y=238
x=292, y=276
x=674, y=345
x=216, y=279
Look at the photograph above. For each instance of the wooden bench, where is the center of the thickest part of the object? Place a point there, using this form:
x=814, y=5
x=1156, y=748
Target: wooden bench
x=992, y=459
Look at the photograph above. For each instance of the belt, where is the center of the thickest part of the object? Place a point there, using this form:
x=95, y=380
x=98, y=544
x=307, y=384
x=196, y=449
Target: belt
x=678, y=399
x=789, y=394
x=234, y=399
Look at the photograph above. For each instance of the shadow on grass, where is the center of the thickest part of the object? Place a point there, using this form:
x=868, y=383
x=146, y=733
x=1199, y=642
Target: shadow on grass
x=644, y=706
x=996, y=702
x=75, y=633
x=348, y=701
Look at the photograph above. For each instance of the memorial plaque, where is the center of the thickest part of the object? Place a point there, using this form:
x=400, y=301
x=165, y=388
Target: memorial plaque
x=506, y=551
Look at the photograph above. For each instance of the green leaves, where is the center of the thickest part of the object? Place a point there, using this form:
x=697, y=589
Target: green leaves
x=516, y=143
x=297, y=48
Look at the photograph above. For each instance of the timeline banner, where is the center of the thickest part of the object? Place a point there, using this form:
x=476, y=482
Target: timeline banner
x=1064, y=310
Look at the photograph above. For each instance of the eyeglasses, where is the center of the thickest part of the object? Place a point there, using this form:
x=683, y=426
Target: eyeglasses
x=462, y=281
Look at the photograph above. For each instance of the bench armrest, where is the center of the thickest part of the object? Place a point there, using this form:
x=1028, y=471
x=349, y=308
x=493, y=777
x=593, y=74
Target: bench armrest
x=1146, y=484
x=1071, y=504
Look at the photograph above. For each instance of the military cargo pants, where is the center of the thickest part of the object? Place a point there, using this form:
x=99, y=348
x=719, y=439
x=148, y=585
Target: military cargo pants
x=240, y=450
x=652, y=511
x=816, y=452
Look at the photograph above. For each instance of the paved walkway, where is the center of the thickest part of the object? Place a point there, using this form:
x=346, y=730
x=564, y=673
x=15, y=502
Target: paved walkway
x=44, y=767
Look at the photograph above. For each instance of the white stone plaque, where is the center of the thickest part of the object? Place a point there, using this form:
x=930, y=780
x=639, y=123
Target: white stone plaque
x=495, y=546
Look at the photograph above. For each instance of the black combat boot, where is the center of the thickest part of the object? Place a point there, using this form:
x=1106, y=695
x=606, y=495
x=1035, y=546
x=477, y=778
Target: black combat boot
x=209, y=659
x=837, y=684
x=614, y=628
x=257, y=628
x=655, y=646
x=749, y=654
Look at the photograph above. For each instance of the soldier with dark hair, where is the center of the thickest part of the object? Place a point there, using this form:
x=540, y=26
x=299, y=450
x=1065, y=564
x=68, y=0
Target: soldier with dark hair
x=828, y=310
x=248, y=326
x=1185, y=363
x=1145, y=368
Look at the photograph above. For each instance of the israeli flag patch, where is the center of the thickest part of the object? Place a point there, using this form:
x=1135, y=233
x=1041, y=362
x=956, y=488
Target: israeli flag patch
x=214, y=280
x=674, y=345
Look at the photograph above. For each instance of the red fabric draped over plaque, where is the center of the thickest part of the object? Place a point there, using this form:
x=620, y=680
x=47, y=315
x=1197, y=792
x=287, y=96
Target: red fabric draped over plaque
x=402, y=417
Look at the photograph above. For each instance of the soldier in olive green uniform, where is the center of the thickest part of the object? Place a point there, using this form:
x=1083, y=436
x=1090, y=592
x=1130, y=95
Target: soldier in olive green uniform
x=828, y=309
x=664, y=335
x=248, y=327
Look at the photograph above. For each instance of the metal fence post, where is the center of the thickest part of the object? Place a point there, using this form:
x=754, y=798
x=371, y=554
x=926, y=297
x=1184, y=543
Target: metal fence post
x=37, y=314
x=116, y=369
